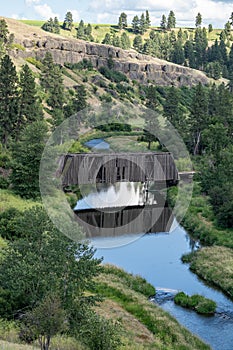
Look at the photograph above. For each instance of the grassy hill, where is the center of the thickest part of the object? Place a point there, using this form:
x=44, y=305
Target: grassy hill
x=100, y=30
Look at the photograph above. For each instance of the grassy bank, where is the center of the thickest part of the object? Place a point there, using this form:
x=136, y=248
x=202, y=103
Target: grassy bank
x=199, y=220
x=146, y=326
x=213, y=263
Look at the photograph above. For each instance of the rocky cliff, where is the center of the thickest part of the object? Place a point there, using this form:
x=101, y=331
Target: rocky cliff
x=136, y=66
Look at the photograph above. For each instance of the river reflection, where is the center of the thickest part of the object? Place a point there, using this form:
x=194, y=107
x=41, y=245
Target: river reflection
x=156, y=257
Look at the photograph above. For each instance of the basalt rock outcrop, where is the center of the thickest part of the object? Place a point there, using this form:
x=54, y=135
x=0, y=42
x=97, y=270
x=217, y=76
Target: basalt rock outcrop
x=136, y=66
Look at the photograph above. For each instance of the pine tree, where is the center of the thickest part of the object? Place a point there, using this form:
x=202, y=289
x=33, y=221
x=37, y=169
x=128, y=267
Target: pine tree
x=48, y=26
x=78, y=102
x=171, y=21
x=9, y=99
x=148, y=22
x=135, y=24
x=107, y=39
x=151, y=118
x=198, y=21
x=122, y=23
x=26, y=160
x=142, y=25
x=227, y=29
x=178, y=53
x=163, y=23
x=137, y=43
x=80, y=30
x=88, y=31
x=68, y=21
x=172, y=110
x=199, y=119
x=30, y=108
x=210, y=28
x=3, y=31
x=231, y=19
x=56, y=29
x=125, y=41
x=189, y=53
x=46, y=79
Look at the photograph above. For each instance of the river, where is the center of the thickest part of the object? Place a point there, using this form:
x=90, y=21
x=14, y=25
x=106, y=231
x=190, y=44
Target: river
x=156, y=257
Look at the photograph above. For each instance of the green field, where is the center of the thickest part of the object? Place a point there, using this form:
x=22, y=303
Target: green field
x=99, y=30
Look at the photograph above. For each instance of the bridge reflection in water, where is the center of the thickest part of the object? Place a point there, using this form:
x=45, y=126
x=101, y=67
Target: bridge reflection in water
x=152, y=216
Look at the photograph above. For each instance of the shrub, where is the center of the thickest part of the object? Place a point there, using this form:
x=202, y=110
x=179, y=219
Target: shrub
x=34, y=61
x=196, y=302
x=113, y=75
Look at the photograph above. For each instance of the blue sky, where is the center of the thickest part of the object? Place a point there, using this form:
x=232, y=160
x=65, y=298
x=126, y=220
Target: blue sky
x=107, y=11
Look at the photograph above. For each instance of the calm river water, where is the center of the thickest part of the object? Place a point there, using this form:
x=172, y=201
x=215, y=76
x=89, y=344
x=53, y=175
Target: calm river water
x=156, y=256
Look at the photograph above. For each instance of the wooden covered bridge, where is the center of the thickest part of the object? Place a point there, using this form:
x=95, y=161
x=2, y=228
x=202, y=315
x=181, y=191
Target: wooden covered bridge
x=87, y=168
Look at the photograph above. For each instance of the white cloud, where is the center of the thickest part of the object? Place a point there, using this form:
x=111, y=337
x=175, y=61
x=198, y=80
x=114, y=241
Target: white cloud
x=16, y=16
x=75, y=14
x=213, y=11
x=31, y=2
x=45, y=11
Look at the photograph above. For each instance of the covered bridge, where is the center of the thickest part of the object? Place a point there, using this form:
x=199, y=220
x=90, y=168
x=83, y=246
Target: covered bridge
x=87, y=168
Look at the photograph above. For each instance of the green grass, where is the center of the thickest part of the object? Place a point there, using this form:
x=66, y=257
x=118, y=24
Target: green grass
x=196, y=302
x=167, y=332
x=199, y=220
x=214, y=265
x=99, y=30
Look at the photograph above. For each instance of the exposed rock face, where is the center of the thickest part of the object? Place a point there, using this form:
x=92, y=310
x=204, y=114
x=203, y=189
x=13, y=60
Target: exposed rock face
x=136, y=66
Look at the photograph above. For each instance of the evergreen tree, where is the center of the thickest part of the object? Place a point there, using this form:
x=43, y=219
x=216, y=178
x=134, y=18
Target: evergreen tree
x=88, y=30
x=116, y=41
x=56, y=29
x=26, y=160
x=125, y=41
x=48, y=26
x=151, y=118
x=122, y=23
x=9, y=99
x=178, y=53
x=135, y=24
x=198, y=118
x=3, y=31
x=78, y=102
x=137, y=42
x=68, y=21
x=210, y=28
x=52, y=81
x=148, y=22
x=198, y=21
x=80, y=30
x=107, y=39
x=173, y=112
x=171, y=21
x=163, y=24
x=180, y=35
x=142, y=25
x=231, y=19
x=189, y=53
x=227, y=29
x=30, y=108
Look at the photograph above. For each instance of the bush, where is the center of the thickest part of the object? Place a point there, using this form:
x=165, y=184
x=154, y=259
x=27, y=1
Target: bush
x=84, y=64
x=113, y=75
x=196, y=302
x=100, y=333
x=8, y=223
x=34, y=61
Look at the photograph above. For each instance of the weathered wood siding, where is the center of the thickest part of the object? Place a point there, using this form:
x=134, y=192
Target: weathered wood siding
x=85, y=168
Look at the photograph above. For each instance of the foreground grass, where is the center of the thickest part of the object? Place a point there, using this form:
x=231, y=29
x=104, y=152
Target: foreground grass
x=157, y=330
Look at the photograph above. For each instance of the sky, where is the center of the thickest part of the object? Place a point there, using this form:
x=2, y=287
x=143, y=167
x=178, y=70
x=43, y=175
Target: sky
x=107, y=11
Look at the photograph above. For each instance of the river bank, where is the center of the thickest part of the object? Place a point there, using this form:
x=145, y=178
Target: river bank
x=214, y=261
